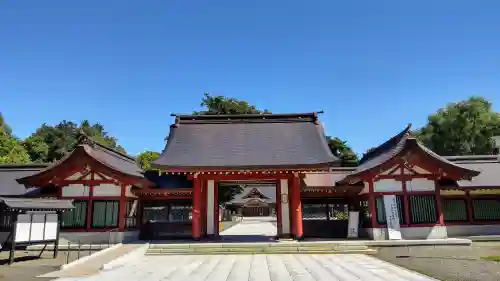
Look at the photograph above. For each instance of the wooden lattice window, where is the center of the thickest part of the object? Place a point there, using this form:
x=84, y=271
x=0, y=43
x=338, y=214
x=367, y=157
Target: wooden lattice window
x=422, y=209
x=77, y=217
x=105, y=213
x=486, y=209
x=454, y=210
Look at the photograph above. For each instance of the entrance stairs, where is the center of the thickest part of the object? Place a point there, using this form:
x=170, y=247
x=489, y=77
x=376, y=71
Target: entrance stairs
x=284, y=247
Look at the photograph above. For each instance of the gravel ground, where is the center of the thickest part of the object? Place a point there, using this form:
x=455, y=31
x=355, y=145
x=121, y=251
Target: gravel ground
x=447, y=263
x=27, y=265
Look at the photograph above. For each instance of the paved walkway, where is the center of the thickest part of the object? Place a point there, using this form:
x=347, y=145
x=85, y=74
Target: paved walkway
x=256, y=268
x=252, y=229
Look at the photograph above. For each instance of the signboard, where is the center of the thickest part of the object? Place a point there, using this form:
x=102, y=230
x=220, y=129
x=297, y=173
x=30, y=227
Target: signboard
x=353, y=224
x=36, y=227
x=392, y=216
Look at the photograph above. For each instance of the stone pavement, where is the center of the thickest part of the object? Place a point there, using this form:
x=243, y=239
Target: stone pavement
x=256, y=268
x=252, y=229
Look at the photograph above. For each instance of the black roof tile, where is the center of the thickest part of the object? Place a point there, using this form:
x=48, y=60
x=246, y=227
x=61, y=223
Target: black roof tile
x=10, y=173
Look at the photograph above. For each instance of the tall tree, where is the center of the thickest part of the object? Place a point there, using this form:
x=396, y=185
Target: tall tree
x=340, y=149
x=225, y=105
x=11, y=149
x=462, y=128
x=63, y=137
x=144, y=159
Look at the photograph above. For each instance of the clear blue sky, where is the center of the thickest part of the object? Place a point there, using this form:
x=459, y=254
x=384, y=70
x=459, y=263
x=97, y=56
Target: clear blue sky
x=372, y=66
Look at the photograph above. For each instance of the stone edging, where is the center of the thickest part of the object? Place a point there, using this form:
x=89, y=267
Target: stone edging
x=84, y=259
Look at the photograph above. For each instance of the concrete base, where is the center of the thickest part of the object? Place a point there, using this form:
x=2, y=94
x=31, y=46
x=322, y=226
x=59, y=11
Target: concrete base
x=101, y=237
x=434, y=232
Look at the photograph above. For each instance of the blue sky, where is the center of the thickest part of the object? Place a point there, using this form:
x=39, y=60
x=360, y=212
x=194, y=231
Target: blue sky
x=372, y=66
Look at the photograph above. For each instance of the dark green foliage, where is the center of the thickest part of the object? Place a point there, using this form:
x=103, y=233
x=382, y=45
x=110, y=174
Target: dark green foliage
x=462, y=128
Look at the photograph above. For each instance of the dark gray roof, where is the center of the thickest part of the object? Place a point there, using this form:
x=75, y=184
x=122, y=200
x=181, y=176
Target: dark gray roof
x=488, y=165
x=10, y=173
x=36, y=204
x=268, y=191
x=399, y=145
x=246, y=141
x=114, y=159
x=107, y=157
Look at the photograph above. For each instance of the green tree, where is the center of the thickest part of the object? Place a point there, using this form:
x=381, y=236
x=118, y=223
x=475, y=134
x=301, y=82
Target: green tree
x=63, y=137
x=11, y=149
x=462, y=128
x=340, y=149
x=144, y=159
x=225, y=105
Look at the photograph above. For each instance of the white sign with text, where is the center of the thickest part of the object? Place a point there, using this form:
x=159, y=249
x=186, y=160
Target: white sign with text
x=353, y=224
x=392, y=216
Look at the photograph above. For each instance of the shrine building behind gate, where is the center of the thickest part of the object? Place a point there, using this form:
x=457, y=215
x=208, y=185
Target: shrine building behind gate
x=432, y=196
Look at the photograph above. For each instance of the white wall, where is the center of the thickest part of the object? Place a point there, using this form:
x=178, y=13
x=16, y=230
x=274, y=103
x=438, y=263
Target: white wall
x=107, y=190
x=75, y=190
x=210, y=207
x=285, y=208
x=420, y=185
x=387, y=185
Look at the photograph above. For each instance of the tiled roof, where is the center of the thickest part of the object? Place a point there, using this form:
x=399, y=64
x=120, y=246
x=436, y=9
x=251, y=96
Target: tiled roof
x=246, y=141
x=398, y=146
x=89, y=149
x=10, y=173
x=36, y=204
x=268, y=192
x=488, y=165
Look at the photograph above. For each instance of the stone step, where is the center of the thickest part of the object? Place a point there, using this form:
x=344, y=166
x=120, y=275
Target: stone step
x=251, y=248
x=257, y=251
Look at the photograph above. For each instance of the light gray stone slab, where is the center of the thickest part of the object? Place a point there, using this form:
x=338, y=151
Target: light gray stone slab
x=277, y=267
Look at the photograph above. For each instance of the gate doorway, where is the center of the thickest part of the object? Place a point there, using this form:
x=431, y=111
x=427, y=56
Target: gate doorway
x=253, y=212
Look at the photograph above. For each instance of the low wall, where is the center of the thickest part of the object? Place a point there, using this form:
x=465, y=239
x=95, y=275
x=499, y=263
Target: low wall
x=434, y=232
x=100, y=237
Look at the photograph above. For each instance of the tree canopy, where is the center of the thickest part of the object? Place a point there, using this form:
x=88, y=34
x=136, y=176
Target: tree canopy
x=462, y=128
x=144, y=159
x=11, y=149
x=225, y=105
x=341, y=150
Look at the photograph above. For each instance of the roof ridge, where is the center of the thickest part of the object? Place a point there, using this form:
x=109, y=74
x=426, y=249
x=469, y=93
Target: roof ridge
x=406, y=132
x=84, y=139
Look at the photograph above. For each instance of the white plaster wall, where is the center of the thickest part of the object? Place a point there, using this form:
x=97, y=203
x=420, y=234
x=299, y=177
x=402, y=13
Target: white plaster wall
x=387, y=185
x=128, y=192
x=366, y=189
x=421, y=170
x=210, y=207
x=420, y=185
x=285, y=208
x=100, y=237
x=75, y=190
x=74, y=176
x=107, y=190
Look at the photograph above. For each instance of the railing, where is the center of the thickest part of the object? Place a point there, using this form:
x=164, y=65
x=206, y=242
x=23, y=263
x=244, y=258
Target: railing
x=81, y=248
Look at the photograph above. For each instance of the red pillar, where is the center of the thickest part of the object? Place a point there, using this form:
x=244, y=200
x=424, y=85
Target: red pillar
x=123, y=203
x=196, y=220
x=371, y=203
x=439, y=203
x=297, y=208
x=90, y=207
x=203, y=209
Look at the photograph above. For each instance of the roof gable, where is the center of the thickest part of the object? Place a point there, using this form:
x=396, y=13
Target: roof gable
x=245, y=142
x=403, y=145
x=93, y=154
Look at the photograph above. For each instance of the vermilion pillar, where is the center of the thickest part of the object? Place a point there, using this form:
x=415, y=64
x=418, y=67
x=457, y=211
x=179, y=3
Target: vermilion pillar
x=296, y=208
x=439, y=203
x=196, y=220
x=123, y=204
